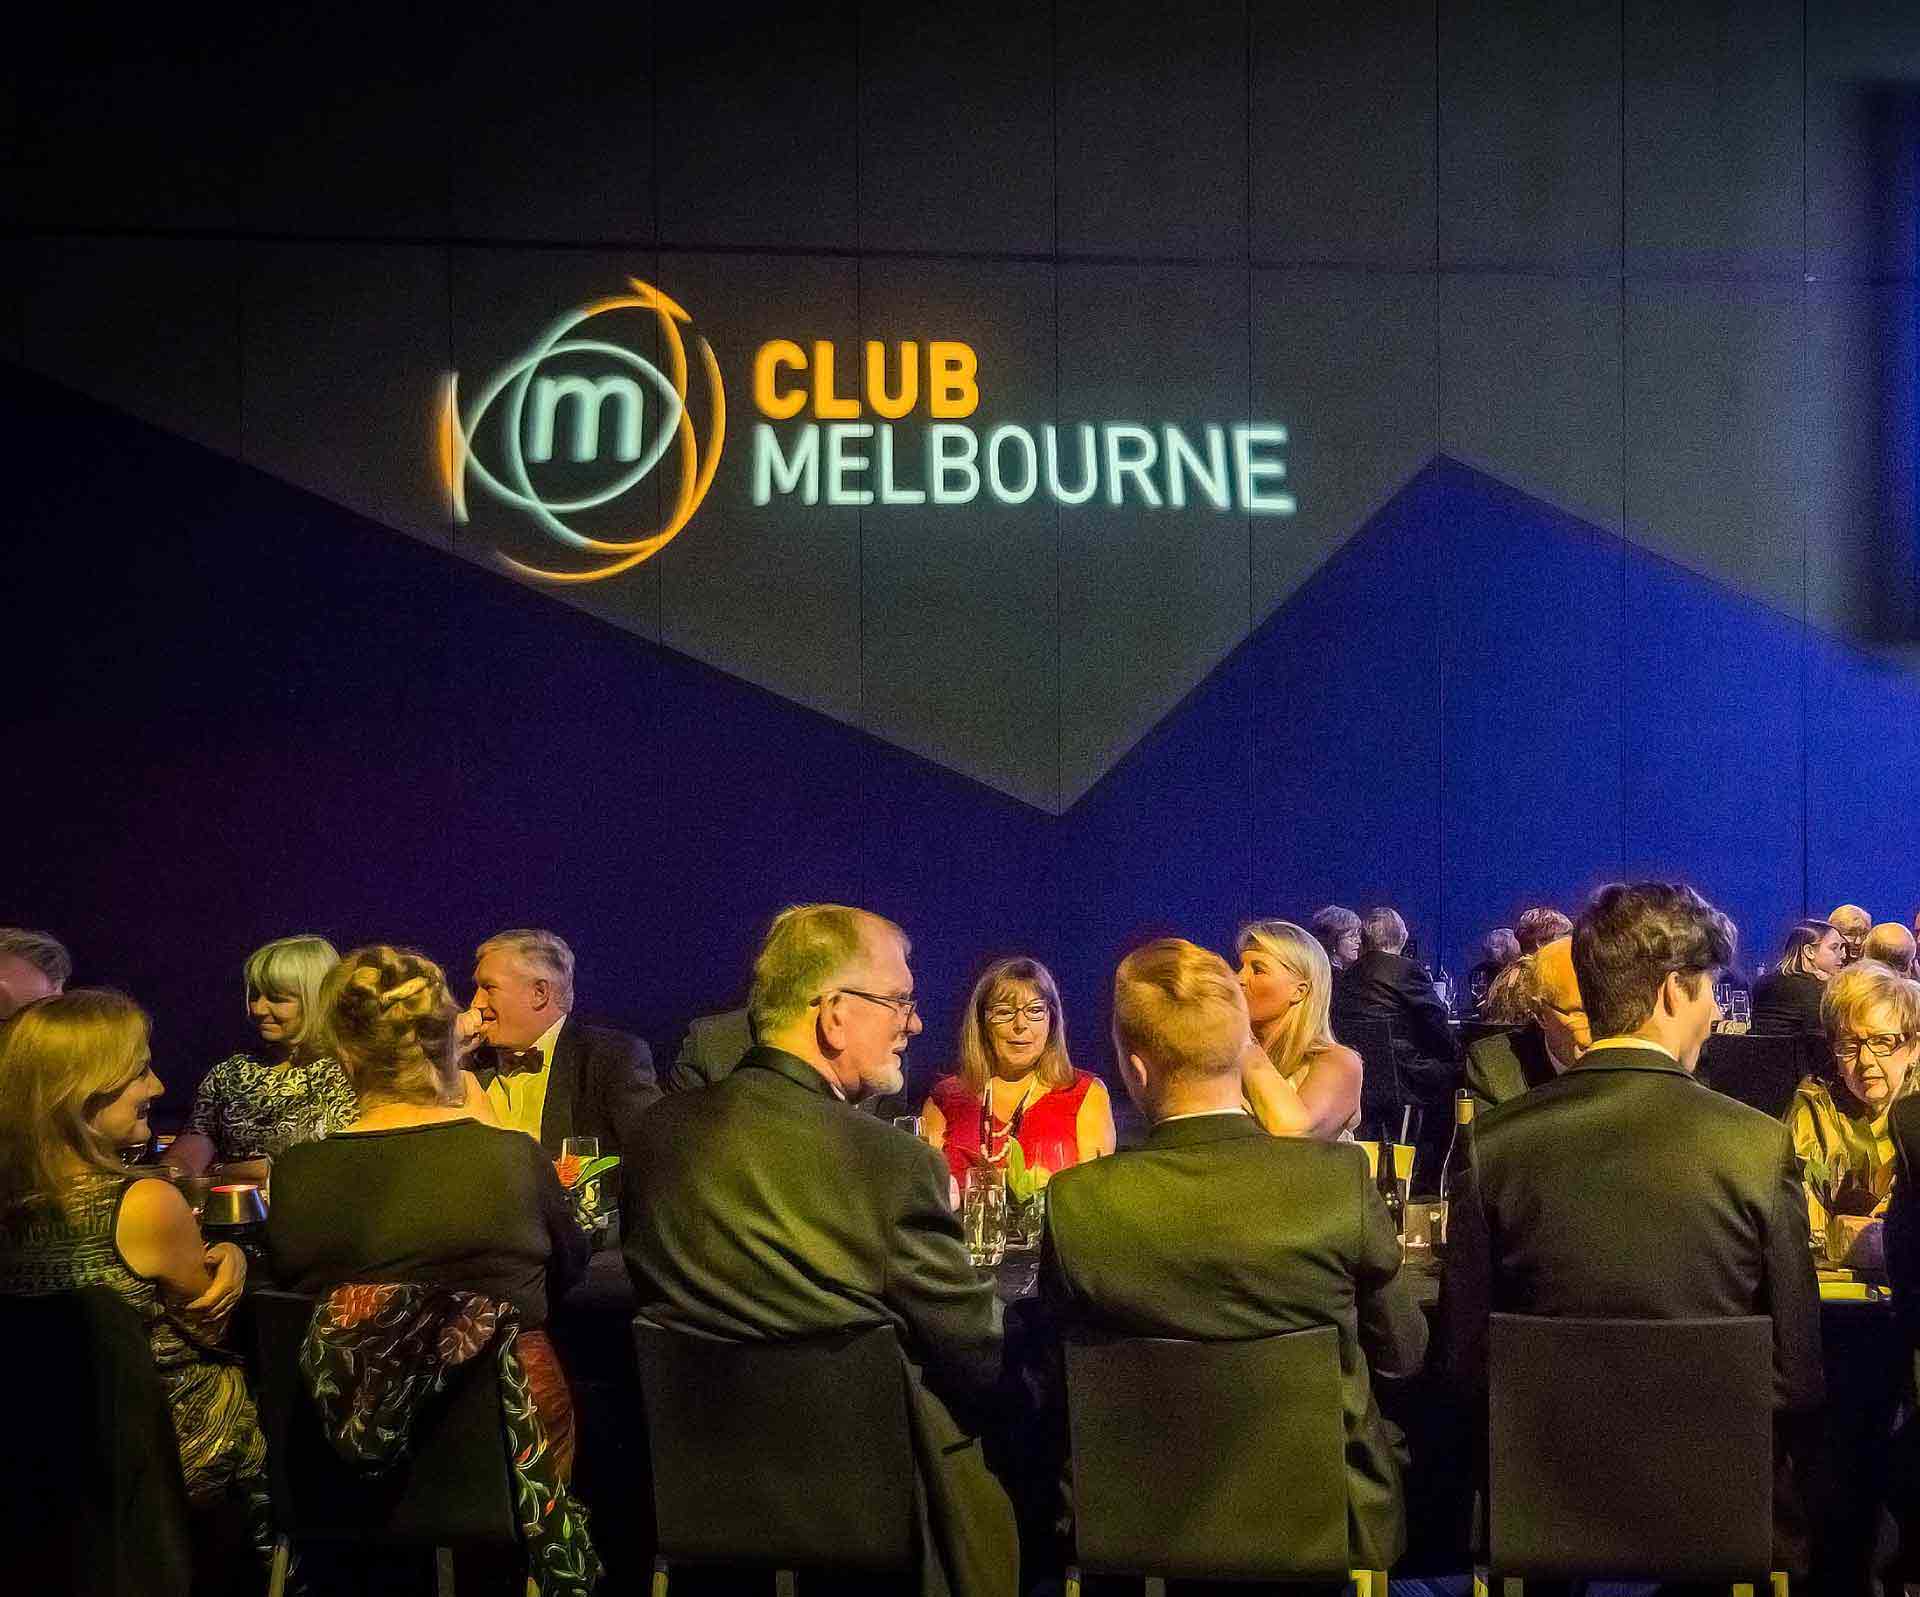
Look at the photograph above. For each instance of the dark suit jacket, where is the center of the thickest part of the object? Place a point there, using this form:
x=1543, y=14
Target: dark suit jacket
x=1214, y=1231
x=1902, y=1231
x=600, y=1081
x=1379, y=986
x=1508, y=1063
x=714, y=1044
x=765, y=1208
x=1787, y=1006
x=1626, y=1189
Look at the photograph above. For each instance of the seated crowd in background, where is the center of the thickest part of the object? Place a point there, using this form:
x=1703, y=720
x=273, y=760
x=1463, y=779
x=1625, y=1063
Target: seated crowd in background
x=411, y=1141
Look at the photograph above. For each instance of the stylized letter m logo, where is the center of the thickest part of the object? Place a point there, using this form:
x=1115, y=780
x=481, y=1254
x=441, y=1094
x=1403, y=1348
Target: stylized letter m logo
x=590, y=398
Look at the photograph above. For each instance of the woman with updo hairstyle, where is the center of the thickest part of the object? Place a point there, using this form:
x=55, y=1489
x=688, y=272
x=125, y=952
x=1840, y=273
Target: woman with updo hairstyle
x=1786, y=1001
x=1015, y=1082
x=1288, y=982
x=76, y=1081
x=251, y=1107
x=1871, y=1020
x=417, y=1190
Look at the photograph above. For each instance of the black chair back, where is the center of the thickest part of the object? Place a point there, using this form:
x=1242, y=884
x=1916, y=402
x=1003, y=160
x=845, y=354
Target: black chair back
x=1631, y=1449
x=1381, y=1095
x=451, y=1491
x=1760, y=1071
x=1253, y=1435
x=742, y=1434
x=92, y=1493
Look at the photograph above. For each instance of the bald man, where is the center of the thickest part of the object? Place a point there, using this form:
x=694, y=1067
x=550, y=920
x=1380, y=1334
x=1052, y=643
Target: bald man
x=1506, y=1064
x=1893, y=945
x=1852, y=923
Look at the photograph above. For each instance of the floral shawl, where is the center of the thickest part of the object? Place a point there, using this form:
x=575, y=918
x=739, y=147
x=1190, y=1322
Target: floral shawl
x=374, y=1354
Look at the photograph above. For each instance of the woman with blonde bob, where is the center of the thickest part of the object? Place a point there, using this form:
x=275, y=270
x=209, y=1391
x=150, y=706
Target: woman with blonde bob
x=1288, y=980
x=1015, y=1082
x=417, y=1189
x=1871, y=1018
x=250, y=1108
x=76, y=1081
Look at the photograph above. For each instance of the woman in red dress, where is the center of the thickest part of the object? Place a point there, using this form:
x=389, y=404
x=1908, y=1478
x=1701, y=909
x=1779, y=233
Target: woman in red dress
x=1015, y=1082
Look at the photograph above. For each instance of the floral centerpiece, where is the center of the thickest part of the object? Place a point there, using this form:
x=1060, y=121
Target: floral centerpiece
x=1026, y=1198
x=595, y=1201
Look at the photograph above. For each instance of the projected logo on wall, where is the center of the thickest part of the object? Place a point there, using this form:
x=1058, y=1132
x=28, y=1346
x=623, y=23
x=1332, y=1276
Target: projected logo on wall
x=604, y=387
x=573, y=433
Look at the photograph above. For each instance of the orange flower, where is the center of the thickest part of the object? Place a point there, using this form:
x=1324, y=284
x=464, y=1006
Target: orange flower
x=567, y=1168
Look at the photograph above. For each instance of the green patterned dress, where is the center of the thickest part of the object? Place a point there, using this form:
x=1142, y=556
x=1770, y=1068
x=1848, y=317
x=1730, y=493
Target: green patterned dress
x=48, y=1247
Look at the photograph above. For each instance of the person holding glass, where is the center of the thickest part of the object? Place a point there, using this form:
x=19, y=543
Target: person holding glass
x=76, y=1084
x=1016, y=1083
x=1839, y=1119
x=252, y=1107
x=1288, y=982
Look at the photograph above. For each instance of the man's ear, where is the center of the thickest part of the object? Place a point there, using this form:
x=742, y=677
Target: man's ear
x=542, y=992
x=1133, y=1072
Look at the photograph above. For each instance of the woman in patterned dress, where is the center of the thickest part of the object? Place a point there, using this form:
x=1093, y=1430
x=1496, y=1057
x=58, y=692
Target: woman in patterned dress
x=75, y=1084
x=250, y=1110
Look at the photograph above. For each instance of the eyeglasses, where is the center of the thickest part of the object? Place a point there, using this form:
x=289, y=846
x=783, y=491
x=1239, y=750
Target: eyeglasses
x=1002, y=1014
x=905, y=1008
x=1883, y=1046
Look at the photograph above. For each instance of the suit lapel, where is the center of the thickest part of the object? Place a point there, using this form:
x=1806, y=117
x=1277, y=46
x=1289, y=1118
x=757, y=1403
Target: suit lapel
x=563, y=1087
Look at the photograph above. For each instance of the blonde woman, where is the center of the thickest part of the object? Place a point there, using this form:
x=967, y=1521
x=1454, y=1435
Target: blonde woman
x=252, y=1107
x=1288, y=980
x=1839, y=1124
x=76, y=1081
x=1016, y=1082
x=417, y=1189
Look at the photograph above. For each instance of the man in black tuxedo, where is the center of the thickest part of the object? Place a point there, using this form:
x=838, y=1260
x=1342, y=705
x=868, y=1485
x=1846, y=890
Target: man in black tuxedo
x=544, y=1072
x=1508, y=1063
x=1699, y=1212
x=767, y=1207
x=714, y=1044
x=1382, y=984
x=1215, y=1231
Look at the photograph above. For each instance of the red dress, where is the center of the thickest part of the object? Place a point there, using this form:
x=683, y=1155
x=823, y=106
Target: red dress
x=1045, y=1131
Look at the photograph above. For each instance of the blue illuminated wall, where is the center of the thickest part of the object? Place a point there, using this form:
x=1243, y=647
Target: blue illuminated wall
x=1592, y=324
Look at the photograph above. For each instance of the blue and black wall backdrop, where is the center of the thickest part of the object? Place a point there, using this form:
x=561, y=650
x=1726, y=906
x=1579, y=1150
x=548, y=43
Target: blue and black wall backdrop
x=1591, y=327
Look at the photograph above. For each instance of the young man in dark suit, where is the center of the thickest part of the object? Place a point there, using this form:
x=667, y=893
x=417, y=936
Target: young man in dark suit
x=766, y=1206
x=544, y=1072
x=1624, y=1189
x=1216, y=1232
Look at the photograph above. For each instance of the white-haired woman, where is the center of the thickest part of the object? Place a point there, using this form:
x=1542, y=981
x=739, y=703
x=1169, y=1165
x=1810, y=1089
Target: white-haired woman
x=252, y=1107
x=1288, y=980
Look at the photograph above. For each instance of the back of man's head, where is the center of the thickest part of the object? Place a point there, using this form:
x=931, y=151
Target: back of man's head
x=1539, y=926
x=1383, y=930
x=1179, y=1010
x=1892, y=944
x=1631, y=936
x=33, y=965
x=806, y=949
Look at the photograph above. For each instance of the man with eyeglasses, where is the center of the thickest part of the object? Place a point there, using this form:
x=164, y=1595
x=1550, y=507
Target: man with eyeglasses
x=1507, y=1063
x=766, y=1208
x=1624, y=1190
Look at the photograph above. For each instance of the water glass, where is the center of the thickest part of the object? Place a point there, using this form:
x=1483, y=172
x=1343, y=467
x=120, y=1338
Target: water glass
x=1740, y=1007
x=910, y=1124
x=983, y=1215
x=581, y=1148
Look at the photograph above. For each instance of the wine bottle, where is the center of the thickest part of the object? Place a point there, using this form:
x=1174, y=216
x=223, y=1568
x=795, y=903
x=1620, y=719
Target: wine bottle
x=1393, y=1190
x=1460, y=1145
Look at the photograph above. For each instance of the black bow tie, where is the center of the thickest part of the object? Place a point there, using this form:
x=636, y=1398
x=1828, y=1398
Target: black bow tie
x=504, y=1062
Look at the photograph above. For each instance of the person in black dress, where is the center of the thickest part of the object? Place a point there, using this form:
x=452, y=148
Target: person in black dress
x=1786, y=1001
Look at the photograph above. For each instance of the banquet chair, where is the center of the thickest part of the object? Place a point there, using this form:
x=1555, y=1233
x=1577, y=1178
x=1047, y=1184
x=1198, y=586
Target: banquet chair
x=742, y=1433
x=1656, y=1464
x=1761, y=1072
x=95, y=1502
x=1381, y=1096
x=1257, y=1429
x=452, y=1492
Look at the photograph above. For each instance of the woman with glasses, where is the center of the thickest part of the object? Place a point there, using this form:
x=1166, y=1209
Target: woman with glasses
x=1015, y=1083
x=1839, y=1123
